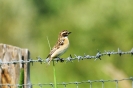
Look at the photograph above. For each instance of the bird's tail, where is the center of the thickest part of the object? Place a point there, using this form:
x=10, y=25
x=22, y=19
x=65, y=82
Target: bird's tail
x=49, y=60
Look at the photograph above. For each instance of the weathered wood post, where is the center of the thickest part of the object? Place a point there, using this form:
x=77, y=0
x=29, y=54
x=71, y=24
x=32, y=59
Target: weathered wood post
x=9, y=72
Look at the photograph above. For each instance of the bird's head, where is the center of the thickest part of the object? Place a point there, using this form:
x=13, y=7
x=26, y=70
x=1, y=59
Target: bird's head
x=64, y=33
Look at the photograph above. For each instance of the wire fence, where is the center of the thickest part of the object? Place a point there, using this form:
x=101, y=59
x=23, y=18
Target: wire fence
x=98, y=55
x=70, y=58
x=65, y=84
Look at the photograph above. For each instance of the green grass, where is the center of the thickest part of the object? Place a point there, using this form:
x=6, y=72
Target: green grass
x=55, y=85
x=21, y=78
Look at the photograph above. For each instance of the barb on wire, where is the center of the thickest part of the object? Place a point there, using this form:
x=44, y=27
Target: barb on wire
x=70, y=58
x=65, y=84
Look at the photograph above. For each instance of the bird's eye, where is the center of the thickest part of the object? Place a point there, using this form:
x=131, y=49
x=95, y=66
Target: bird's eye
x=65, y=34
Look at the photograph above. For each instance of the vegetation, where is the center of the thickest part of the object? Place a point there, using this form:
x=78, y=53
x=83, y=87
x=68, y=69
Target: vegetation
x=95, y=24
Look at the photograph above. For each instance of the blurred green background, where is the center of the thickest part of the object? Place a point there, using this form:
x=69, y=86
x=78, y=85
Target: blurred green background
x=95, y=24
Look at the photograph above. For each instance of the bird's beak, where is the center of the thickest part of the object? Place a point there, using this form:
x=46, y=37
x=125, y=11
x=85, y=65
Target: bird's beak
x=69, y=32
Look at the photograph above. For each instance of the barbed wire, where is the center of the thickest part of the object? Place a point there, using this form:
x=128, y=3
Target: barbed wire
x=70, y=58
x=65, y=84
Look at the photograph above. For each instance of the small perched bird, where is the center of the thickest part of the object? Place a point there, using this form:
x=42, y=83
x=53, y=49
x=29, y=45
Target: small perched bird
x=60, y=47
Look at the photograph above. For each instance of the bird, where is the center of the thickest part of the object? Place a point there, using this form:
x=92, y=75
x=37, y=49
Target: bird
x=60, y=47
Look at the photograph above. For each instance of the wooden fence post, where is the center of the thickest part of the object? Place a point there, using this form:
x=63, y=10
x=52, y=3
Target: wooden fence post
x=10, y=73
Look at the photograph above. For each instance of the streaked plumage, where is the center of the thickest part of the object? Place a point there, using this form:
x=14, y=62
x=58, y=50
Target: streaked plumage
x=60, y=47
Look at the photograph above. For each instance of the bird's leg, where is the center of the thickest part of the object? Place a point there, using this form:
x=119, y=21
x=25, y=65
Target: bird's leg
x=61, y=59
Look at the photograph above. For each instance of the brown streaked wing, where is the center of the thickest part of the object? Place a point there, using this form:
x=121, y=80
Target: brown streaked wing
x=53, y=50
x=61, y=42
